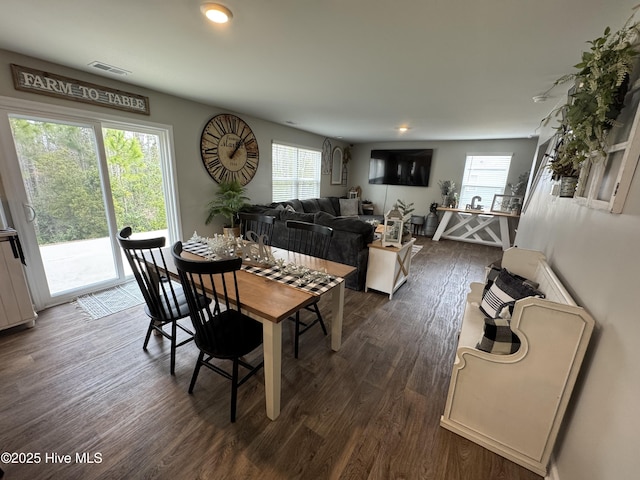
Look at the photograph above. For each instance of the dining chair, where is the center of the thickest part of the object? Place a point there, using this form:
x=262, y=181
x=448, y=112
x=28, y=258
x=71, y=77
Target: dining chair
x=222, y=331
x=164, y=299
x=308, y=239
x=257, y=223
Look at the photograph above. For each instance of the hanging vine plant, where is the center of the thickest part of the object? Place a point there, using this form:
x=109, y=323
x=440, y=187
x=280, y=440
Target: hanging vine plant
x=595, y=100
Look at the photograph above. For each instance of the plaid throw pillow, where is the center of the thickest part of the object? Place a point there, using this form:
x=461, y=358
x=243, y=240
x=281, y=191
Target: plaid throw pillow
x=503, y=293
x=498, y=337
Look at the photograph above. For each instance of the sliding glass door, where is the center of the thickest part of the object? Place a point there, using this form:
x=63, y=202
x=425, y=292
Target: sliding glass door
x=79, y=184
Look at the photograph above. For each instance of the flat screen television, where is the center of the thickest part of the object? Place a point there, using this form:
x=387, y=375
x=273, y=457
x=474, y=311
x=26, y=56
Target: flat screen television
x=400, y=167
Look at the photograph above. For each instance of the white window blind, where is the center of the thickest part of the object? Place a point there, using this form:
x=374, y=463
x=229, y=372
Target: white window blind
x=295, y=172
x=484, y=176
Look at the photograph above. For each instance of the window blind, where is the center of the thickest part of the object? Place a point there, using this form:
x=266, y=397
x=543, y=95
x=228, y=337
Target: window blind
x=484, y=176
x=295, y=172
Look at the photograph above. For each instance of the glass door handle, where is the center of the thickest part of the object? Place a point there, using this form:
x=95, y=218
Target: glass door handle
x=31, y=210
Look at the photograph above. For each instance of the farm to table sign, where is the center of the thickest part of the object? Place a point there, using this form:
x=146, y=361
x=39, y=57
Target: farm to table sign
x=45, y=83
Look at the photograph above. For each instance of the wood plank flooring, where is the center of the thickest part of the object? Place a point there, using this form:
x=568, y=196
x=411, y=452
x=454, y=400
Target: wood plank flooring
x=73, y=385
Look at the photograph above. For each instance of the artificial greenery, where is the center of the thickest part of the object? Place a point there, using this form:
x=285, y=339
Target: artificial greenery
x=519, y=188
x=229, y=200
x=448, y=192
x=594, y=102
x=405, y=209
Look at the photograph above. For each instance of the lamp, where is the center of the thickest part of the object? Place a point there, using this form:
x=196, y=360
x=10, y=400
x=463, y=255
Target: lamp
x=216, y=12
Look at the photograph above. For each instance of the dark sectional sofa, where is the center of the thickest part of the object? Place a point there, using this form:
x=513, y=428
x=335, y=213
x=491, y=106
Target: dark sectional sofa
x=351, y=234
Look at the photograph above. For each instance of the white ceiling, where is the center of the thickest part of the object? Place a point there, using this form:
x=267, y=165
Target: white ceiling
x=357, y=69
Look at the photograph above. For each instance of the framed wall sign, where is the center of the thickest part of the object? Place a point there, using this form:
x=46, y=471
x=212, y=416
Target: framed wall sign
x=336, y=166
x=326, y=157
x=45, y=83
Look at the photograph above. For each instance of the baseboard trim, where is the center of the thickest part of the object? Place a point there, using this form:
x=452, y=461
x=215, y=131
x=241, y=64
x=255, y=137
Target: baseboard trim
x=552, y=472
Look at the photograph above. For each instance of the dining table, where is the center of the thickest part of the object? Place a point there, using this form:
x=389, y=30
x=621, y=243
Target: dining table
x=270, y=301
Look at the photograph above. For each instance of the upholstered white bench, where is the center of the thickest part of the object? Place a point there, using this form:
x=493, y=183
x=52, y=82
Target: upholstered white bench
x=513, y=404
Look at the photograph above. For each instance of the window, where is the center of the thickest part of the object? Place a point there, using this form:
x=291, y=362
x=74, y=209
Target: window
x=484, y=176
x=295, y=172
x=83, y=177
x=604, y=182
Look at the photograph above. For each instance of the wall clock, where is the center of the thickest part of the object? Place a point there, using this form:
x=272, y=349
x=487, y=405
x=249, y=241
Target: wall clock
x=229, y=149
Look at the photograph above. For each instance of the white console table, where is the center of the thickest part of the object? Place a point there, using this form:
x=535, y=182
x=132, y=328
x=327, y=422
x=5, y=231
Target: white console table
x=388, y=267
x=475, y=226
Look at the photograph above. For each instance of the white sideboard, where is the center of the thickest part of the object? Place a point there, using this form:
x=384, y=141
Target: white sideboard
x=15, y=301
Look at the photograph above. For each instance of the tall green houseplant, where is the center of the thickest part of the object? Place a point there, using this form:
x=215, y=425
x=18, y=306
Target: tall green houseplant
x=229, y=200
x=596, y=99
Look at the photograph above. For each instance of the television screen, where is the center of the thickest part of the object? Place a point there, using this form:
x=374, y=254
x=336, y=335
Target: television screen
x=400, y=167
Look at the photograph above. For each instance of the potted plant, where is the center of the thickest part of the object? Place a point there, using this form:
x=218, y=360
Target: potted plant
x=229, y=200
x=405, y=209
x=594, y=102
x=448, y=192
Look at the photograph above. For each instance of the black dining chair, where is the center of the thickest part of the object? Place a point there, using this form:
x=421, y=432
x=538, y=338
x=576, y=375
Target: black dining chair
x=308, y=239
x=164, y=299
x=222, y=331
x=257, y=223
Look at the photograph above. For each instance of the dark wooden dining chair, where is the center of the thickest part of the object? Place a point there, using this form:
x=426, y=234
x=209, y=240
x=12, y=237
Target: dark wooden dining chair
x=222, y=331
x=164, y=299
x=257, y=223
x=308, y=239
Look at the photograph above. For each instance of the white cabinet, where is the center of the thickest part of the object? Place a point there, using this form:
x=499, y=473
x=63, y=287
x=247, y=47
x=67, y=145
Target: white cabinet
x=15, y=301
x=388, y=267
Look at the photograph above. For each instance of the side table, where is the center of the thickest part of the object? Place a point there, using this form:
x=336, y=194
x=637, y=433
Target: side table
x=367, y=208
x=388, y=267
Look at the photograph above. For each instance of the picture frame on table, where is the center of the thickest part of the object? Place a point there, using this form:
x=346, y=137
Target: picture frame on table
x=510, y=204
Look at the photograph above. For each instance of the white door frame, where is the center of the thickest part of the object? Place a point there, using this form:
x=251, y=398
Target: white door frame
x=14, y=187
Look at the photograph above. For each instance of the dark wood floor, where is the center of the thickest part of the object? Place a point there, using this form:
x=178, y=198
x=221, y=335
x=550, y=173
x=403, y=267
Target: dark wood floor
x=73, y=385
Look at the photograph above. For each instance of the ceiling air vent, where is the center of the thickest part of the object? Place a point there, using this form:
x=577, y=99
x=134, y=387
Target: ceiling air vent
x=109, y=68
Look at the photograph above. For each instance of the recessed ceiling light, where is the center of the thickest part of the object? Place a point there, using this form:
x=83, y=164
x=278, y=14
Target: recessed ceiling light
x=403, y=129
x=216, y=12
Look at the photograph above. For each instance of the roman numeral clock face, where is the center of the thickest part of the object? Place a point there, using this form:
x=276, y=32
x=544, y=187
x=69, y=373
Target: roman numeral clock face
x=229, y=149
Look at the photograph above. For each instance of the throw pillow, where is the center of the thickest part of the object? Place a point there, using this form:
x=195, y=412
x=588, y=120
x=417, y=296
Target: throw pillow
x=503, y=293
x=498, y=337
x=289, y=208
x=349, y=207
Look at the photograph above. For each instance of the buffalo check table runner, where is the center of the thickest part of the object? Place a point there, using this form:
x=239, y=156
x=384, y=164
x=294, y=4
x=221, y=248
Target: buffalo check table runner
x=196, y=248
x=315, y=285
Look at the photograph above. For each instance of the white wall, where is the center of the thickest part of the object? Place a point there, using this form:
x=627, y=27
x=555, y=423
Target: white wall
x=195, y=186
x=447, y=164
x=596, y=255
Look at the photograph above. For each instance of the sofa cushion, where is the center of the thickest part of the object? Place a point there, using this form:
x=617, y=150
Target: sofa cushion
x=349, y=207
x=345, y=224
x=498, y=337
x=503, y=293
x=302, y=217
x=310, y=205
x=335, y=201
x=326, y=205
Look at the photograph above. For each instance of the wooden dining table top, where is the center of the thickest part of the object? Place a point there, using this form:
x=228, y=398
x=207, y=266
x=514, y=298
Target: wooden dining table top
x=270, y=299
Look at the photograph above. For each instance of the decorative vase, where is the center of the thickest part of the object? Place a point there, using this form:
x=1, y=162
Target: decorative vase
x=568, y=186
x=231, y=231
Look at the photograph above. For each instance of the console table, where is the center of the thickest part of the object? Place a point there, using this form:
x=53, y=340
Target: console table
x=475, y=226
x=388, y=267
